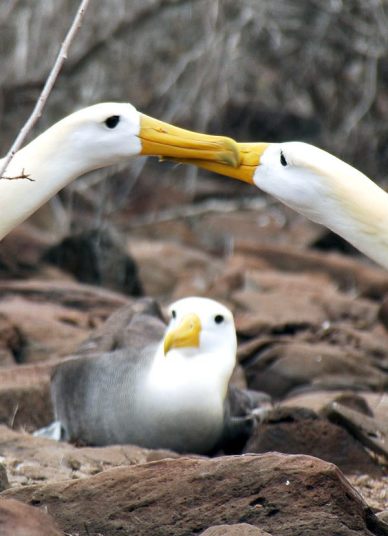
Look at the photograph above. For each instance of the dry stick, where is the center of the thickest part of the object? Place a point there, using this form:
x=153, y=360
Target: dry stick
x=37, y=111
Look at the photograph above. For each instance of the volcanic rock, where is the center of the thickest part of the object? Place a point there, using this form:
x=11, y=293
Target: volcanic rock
x=282, y=494
x=30, y=459
x=284, y=366
x=301, y=431
x=18, y=519
x=97, y=257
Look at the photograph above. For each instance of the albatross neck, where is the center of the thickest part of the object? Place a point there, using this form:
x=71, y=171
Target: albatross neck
x=334, y=194
x=38, y=172
x=361, y=215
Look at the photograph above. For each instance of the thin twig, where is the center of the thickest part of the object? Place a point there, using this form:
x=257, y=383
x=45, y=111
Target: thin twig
x=37, y=111
x=16, y=409
x=22, y=175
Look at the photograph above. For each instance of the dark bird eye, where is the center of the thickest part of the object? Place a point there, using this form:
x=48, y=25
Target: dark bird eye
x=283, y=160
x=112, y=121
x=173, y=314
x=218, y=319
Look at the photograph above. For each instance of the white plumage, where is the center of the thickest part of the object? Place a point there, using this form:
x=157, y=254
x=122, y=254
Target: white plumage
x=92, y=138
x=321, y=187
x=162, y=391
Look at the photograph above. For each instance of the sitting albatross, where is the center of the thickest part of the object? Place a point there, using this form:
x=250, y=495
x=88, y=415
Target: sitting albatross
x=164, y=388
x=321, y=187
x=92, y=138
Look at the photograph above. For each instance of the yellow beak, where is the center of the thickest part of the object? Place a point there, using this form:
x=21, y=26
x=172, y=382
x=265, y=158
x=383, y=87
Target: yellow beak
x=164, y=140
x=250, y=155
x=186, y=335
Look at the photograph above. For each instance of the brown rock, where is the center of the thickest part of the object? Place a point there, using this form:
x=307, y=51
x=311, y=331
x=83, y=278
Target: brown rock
x=353, y=401
x=27, y=375
x=67, y=293
x=28, y=407
x=348, y=273
x=275, y=310
x=376, y=403
x=280, y=368
x=4, y=484
x=96, y=257
x=239, y=529
x=301, y=431
x=167, y=268
x=286, y=282
x=366, y=338
x=11, y=342
x=30, y=459
x=371, y=432
x=232, y=278
x=20, y=251
x=25, y=395
x=283, y=495
x=18, y=519
x=46, y=319
x=289, y=309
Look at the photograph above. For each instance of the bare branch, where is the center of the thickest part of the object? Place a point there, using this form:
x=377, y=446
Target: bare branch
x=22, y=175
x=37, y=111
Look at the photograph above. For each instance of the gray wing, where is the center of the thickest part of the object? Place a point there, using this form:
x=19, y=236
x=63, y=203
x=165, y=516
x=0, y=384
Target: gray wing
x=94, y=396
x=123, y=328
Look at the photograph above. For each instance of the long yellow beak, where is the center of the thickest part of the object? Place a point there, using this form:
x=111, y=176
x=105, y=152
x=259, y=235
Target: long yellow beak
x=186, y=335
x=165, y=140
x=250, y=155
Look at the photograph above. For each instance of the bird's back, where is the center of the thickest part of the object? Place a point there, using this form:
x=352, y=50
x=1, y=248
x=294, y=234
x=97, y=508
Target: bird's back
x=94, y=396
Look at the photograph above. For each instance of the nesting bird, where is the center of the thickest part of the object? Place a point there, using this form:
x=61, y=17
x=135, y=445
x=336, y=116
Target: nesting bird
x=166, y=389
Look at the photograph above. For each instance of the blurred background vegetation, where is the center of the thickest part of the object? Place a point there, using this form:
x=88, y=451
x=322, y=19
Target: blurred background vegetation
x=269, y=70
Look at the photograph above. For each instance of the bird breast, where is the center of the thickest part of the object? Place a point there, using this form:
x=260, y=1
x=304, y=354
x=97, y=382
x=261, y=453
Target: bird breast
x=187, y=412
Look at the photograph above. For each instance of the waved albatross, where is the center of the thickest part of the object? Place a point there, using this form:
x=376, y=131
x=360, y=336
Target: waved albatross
x=321, y=187
x=92, y=138
x=166, y=389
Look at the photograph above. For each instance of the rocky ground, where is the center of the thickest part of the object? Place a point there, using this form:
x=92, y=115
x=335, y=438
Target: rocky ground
x=311, y=315
x=311, y=318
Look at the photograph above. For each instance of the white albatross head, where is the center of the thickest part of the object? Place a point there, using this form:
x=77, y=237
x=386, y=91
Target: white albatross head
x=111, y=132
x=320, y=186
x=92, y=138
x=200, y=341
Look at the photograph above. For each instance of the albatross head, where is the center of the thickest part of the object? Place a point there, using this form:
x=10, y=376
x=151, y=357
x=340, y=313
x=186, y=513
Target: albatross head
x=295, y=172
x=111, y=132
x=302, y=176
x=201, y=331
x=321, y=187
x=92, y=138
